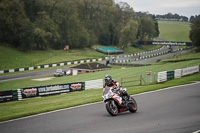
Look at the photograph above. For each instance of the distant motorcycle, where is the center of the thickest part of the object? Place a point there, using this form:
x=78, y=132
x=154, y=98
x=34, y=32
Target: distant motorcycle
x=116, y=104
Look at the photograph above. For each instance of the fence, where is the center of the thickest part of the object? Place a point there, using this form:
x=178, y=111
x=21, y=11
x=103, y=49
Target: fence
x=148, y=77
x=131, y=81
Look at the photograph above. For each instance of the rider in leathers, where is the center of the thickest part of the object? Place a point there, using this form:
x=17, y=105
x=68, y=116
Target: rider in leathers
x=116, y=87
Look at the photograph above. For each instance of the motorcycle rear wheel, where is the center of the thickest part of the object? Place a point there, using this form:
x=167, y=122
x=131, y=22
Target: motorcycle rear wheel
x=112, y=108
x=133, y=105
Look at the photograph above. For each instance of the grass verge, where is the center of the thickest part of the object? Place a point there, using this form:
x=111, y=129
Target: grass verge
x=117, y=73
x=19, y=59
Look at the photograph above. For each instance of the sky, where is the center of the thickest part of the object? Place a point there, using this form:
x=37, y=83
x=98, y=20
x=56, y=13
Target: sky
x=160, y=7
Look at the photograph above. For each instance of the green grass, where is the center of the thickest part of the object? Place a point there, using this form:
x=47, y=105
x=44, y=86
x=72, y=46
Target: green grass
x=189, y=56
x=116, y=73
x=174, y=31
x=16, y=109
x=11, y=58
x=131, y=50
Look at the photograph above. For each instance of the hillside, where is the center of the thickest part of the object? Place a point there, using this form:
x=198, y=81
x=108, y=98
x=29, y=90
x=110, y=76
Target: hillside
x=174, y=31
x=12, y=58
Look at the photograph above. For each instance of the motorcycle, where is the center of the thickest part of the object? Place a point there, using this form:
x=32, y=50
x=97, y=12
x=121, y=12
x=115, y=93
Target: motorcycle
x=116, y=102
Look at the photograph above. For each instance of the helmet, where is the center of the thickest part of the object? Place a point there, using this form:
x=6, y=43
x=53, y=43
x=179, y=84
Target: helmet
x=108, y=79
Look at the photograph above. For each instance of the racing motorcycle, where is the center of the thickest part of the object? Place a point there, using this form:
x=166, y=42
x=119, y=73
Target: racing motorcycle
x=116, y=102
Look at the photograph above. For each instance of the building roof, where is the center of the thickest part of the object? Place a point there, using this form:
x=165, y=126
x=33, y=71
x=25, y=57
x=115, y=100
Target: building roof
x=92, y=66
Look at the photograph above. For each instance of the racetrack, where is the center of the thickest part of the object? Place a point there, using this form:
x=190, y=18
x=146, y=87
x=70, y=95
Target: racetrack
x=51, y=72
x=173, y=110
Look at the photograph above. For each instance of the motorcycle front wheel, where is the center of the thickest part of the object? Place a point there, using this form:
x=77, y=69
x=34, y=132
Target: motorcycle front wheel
x=112, y=108
x=132, y=105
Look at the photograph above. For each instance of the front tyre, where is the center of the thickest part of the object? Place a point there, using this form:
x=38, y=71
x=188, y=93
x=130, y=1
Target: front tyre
x=112, y=108
x=132, y=105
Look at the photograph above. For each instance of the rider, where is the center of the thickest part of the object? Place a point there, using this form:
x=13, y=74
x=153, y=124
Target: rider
x=116, y=86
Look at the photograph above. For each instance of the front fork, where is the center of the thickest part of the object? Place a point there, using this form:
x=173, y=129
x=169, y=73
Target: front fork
x=112, y=103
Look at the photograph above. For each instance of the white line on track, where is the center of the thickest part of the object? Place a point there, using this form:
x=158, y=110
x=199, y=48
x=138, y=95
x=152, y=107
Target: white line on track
x=97, y=103
x=197, y=131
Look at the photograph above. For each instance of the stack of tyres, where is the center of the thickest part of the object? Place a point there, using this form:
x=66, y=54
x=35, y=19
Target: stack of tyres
x=83, y=85
x=15, y=95
x=170, y=75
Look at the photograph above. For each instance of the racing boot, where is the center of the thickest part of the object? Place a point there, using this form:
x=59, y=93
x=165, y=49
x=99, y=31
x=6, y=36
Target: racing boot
x=126, y=101
x=123, y=103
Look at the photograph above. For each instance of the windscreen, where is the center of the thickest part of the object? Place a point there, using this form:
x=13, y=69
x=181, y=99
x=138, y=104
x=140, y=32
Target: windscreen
x=106, y=90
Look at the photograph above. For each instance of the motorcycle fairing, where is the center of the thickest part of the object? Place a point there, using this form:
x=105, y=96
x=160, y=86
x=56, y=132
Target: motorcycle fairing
x=117, y=98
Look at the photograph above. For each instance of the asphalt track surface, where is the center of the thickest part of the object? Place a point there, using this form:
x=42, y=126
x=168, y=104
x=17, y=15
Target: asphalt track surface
x=26, y=75
x=29, y=75
x=172, y=110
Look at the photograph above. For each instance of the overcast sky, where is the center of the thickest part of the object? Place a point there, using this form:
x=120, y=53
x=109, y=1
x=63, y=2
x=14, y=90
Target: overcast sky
x=161, y=7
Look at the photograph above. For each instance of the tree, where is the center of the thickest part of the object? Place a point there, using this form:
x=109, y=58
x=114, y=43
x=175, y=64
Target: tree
x=146, y=29
x=26, y=35
x=128, y=33
x=157, y=32
x=11, y=20
x=41, y=38
x=192, y=18
x=195, y=33
x=45, y=23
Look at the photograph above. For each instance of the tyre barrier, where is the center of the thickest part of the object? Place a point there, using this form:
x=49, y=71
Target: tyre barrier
x=178, y=73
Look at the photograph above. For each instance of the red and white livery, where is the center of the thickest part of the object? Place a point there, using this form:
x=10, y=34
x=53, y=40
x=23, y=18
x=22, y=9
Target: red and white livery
x=115, y=103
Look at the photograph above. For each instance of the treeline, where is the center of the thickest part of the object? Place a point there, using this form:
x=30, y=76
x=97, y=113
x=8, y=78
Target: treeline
x=194, y=18
x=176, y=17
x=43, y=24
x=195, y=32
x=172, y=17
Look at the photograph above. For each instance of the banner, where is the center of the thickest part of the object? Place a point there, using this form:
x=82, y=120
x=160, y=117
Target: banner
x=76, y=87
x=190, y=70
x=165, y=43
x=29, y=92
x=51, y=89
